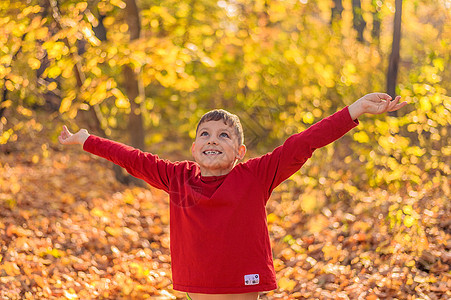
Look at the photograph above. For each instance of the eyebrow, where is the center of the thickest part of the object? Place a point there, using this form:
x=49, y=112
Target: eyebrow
x=227, y=129
x=203, y=127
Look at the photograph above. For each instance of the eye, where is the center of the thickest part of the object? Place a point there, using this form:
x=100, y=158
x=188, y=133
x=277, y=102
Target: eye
x=203, y=133
x=224, y=134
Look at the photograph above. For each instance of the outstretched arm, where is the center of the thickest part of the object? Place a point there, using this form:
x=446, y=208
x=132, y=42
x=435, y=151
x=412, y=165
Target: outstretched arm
x=68, y=138
x=374, y=103
x=155, y=171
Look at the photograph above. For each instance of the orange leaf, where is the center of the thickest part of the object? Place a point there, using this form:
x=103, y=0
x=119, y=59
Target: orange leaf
x=372, y=297
x=10, y=268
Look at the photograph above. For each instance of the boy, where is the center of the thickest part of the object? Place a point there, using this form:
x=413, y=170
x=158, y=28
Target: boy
x=220, y=247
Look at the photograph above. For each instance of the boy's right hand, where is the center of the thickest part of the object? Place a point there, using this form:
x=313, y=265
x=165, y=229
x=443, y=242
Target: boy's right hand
x=67, y=138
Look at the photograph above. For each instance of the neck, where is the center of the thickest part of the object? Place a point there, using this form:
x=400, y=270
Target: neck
x=210, y=173
x=205, y=172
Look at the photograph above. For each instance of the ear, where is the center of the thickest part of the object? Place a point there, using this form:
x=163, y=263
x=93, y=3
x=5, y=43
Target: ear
x=241, y=152
x=192, y=149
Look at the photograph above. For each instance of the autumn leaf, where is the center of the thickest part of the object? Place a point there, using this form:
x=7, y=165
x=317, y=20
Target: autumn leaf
x=286, y=284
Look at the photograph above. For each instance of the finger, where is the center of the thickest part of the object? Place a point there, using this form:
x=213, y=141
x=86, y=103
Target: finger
x=65, y=133
x=384, y=96
x=386, y=105
x=397, y=98
x=62, y=131
x=393, y=103
x=399, y=105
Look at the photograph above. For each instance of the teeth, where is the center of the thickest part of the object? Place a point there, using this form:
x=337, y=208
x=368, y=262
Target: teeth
x=210, y=152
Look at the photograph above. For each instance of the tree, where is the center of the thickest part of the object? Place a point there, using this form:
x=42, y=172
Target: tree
x=337, y=9
x=358, y=22
x=376, y=30
x=392, y=73
x=132, y=81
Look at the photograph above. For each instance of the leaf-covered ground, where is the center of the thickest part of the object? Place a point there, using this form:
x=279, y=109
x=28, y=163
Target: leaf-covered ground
x=69, y=230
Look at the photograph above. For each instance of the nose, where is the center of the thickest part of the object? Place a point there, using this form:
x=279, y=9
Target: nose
x=212, y=140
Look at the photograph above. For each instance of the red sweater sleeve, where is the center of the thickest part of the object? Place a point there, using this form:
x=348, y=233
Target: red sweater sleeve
x=288, y=158
x=149, y=167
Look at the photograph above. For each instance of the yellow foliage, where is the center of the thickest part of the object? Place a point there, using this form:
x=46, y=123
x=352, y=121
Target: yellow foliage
x=308, y=118
x=317, y=223
x=70, y=294
x=361, y=137
x=272, y=218
x=41, y=33
x=409, y=221
x=308, y=202
x=97, y=212
x=67, y=102
x=53, y=71
x=286, y=284
x=34, y=63
x=113, y=231
x=5, y=135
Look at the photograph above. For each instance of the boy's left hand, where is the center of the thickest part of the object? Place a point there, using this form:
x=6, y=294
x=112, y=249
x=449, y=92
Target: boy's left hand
x=375, y=103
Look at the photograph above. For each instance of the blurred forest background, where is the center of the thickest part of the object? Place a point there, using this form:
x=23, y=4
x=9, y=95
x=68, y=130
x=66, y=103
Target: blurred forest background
x=368, y=217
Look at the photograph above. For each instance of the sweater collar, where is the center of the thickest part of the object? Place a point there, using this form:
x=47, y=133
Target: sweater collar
x=213, y=178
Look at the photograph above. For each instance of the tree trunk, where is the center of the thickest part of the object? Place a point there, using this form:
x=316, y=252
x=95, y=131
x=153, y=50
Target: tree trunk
x=358, y=22
x=393, y=65
x=376, y=31
x=134, y=91
x=120, y=174
x=52, y=98
x=100, y=30
x=135, y=122
x=132, y=81
x=337, y=9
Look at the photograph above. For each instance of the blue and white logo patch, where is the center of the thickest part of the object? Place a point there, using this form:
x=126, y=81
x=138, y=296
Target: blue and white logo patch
x=251, y=279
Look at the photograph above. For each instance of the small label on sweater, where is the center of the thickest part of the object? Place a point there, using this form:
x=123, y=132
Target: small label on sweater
x=251, y=279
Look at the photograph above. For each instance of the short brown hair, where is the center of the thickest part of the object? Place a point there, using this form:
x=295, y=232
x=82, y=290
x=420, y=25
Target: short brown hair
x=228, y=118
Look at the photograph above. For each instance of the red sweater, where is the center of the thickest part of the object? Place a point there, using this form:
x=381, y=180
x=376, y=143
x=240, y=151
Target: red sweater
x=218, y=230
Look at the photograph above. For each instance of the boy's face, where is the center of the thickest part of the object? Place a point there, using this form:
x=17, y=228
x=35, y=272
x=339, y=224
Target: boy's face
x=216, y=148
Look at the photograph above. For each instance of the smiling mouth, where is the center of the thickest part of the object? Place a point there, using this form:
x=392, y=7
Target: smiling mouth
x=212, y=152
